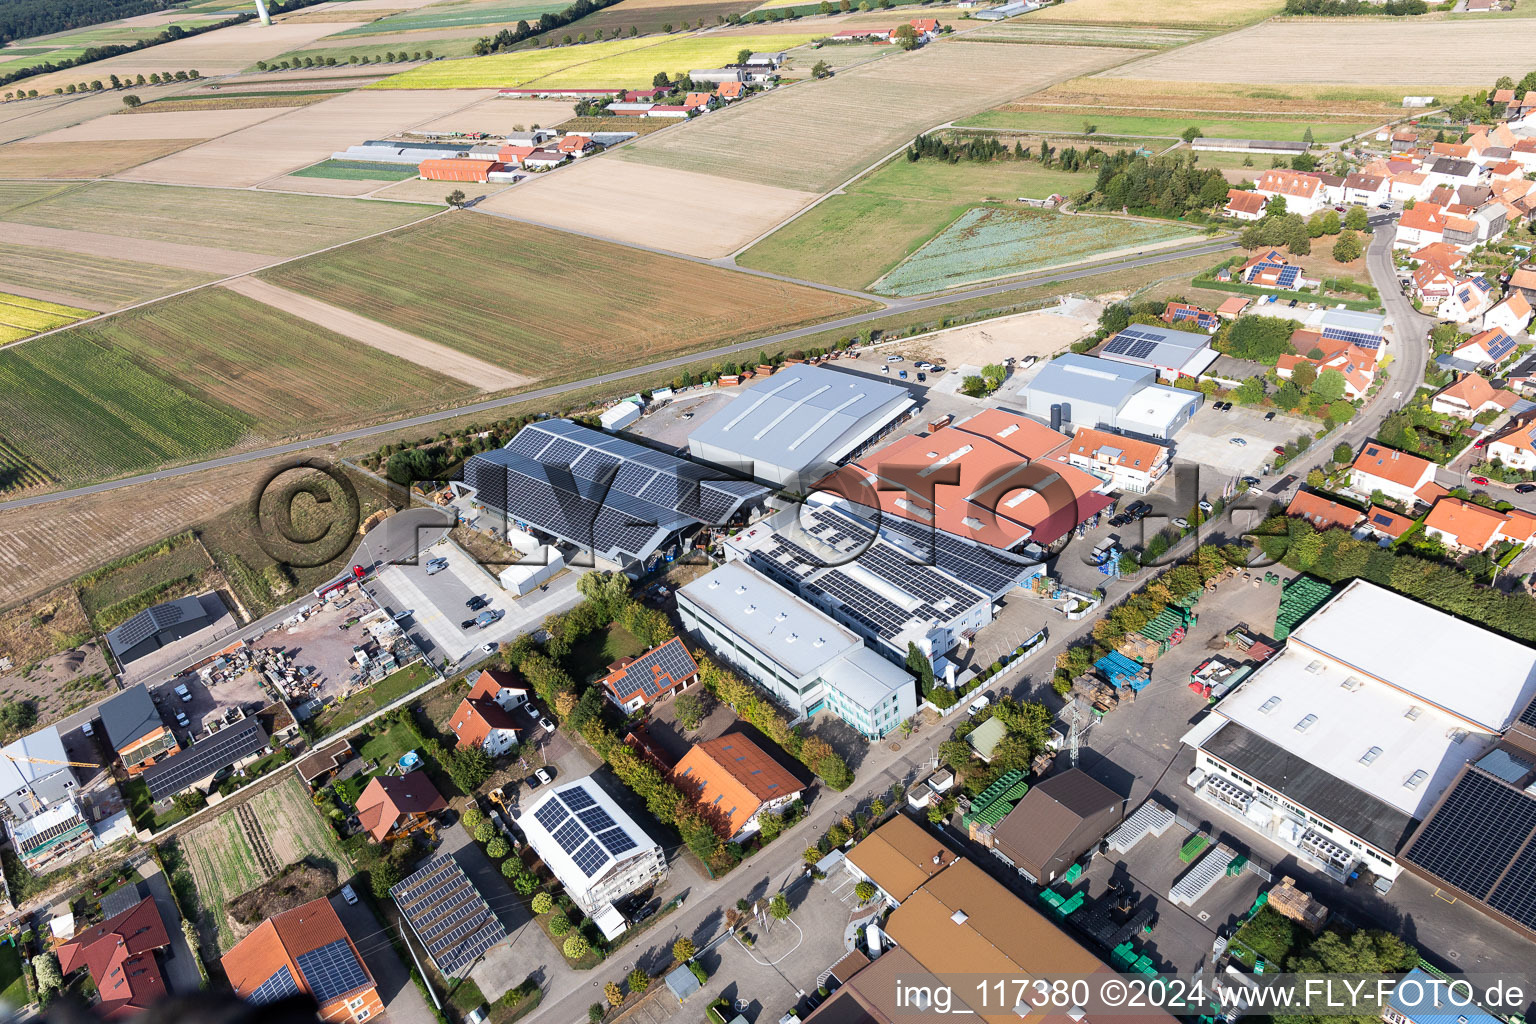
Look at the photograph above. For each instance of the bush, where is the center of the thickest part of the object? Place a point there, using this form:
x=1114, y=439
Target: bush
x=497, y=848
x=697, y=969
x=559, y=925
x=543, y=903
x=638, y=981
x=683, y=949
x=576, y=947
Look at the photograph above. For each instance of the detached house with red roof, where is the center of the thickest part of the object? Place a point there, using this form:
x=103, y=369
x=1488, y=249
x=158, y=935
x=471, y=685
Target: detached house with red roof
x=1204, y=319
x=1511, y=316
x=1245, y=205
x=119, y=954
x=632, y=683
x=306, y=951
x=1357, y=364
x=1469, y=300
x=1401, y=477
x=1322, y=512
x=1469, y=397
x=1486, y=348
x=1467, y=526
x=499, y=686
x=392, y=806
x=1423, y=225
x=1433, y=281
x=1516, y=447
x=481, y=722
x=1126, y=463
x=1303, y=193
x=735, y=782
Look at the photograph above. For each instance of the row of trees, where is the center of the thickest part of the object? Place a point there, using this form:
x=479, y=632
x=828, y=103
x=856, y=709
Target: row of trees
x=114, y=82
x=388, y=57
x=749, y=704
x=1169, y=186
x=548, y=22
x=1346, y=8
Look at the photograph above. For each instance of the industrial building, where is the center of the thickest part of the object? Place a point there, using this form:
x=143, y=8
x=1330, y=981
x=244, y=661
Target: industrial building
x=893, y=581
x=598, y=852
x=791, y=429
x=37, y=800
x=1055, y=823
x=1172, y=353
x=626, y=503
x=153, y=628
x=1081, y=391
x=803, y=659
x=1337, y=747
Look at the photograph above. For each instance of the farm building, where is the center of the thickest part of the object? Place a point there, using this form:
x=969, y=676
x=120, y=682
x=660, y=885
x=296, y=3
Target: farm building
x=791, y=429
x=715, y=76
x=619, y=416
x=558, y=478
x=1081, y=391
x=797, y=652
x=458, y=169
x=598, y=852
x=1210, y=145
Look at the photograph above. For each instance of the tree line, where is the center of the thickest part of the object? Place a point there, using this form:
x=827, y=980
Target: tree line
x=23, y=19
x=1170, y=186
x=548, y=22
x=1346, y=8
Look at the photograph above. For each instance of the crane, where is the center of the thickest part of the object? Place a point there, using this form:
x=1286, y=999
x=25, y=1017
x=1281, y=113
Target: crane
x=44, y=760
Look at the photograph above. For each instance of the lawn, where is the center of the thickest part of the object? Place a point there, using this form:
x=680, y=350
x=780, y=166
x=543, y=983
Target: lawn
x=381, y=694
x=357, y=170
x=112, y=593
x=13, y=987
x=459, y=15
x=194, y=374
x=269, y=223
x=850, y=240
x=1324, y=130
x=990, y=242
x=141, y=807
x=518, y=280
x=619, y=63
x=589, y=660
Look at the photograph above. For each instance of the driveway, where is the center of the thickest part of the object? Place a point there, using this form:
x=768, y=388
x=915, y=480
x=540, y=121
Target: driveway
x=403, y=1001
x=181, y=973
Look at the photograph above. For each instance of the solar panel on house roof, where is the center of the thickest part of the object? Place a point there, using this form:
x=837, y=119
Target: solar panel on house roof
x=1362, y=338
x=551, y=815
x=1288, y=276
x=1500, y=346
x=280, y=986
x=204, y=758
x=590, y=857
x=616, y=841
x=577, y=799
x=1470, y=839
x=570, y=835
x=332, y=970
x=596, y=819
x=1516, y=892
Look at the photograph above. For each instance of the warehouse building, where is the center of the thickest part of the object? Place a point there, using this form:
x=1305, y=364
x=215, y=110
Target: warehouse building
x=153, y=628
x=626, y=503
x=791, y=429
x=803, y=659
x=1081, y=391
x=1340, y=745
x=1172, y=353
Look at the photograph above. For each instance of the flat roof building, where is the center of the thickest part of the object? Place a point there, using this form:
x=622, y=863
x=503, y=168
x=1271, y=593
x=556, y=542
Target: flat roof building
x=598, y=852
x=1172, y=353
x=793, y=428
x=1081, y=391
x=33, y=775
x=449, y=916
x=1338, y=746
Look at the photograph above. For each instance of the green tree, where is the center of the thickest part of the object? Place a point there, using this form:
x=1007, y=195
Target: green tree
x=1330, y=385
x=130, y=101
x=683, y=949
x=973, y=387
x=613, y=993
x=469, y=767
x=576, y=947
x=906, y=37
x=1343, y=454
x=778, y=907
x=595, y=1013
x=919, y=665
x=1305, y=375
x=484, y=832
x=1191, y=133
x=1306, y=136
x=1250, y=391
x=1348, y=247
x=559, y=925
x=455, y=198
x=1357, y=219
x=497, y=848
x=690, y=709
x=638, y=981
x=821, y=69
x=743, y=55
x=865, y=891
x=472, y=819
x=543, y=903
x=46, y=966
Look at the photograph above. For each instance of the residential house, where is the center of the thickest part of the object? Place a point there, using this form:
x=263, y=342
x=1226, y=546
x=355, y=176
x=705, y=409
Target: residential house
x=1492, y=221
x=1469, y=397
x=1401, y=477
x=597, y=851
x=134, y=728
x=304, y=950
x=730, y=91
x=735, y=782
x=1322, y=512
x=1366, y=189
x=1461, y=231
x=1303, y=193
x=1270, y=269
x=1408, y=185
x=1512, y=316
x=544, y=159
x=632, y=683
x=1404, y=139
x=1515, y=448
x=1443, y=253
x=120, y=956
x=1469, y=300
x=1423, y=225
x=1490, y=347
x=1245, y=205
x=1233, y=308
x=1467, y=526
x=577, y=146
x=1433, y=281
x=323, y=764
x=1357, y=364
x=1178, y=312
x=1127, y=463
x=481, y=722
x=498, y=686
x=697, y=100
x=392, y=806
x=1523, y=280
x=1451, y=150
x=1454, y=172
x=1386, y=524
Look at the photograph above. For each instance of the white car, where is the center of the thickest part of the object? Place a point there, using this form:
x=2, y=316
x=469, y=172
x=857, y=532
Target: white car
x=1207, y=507
x=545, y=776
x=978, y=704
x=1180, y=522
x=436, y=566
x=489, y=648
x=547, y=725
x=1239, y=442
x=182, y=692
x=923, y=365
x=893, y=359
x=88, y=729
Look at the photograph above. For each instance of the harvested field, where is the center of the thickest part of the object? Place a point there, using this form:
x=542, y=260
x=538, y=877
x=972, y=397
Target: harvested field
x=1208, y=13
x=477, y=373
x=88, y=280
x=214, y=101
x=196, y=125
x=677, y=210
x=459, y=15
x=641, y=125
x=1186, y=98
x=46, y=625
x=262, y=223
x=1032, y=31
x=1393, y=52
x=496, y=116
x=82, y=159
x=654, y=17
x=329, y=186
x=990, y=242
x=519, y=279
x=198, y=258
x=621, y=63
x=420, y=190
x=822, y=133
x=284, y=144
x=24, y=120
x=1024, y=117
x=195, y=374
x=269, y=81
x=839, y=58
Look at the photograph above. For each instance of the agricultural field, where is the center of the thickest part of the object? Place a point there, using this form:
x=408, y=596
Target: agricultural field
x=73, y=44
x=356, y=170
x=851, y=239
x=815, y=135
x=649, y=16
x=990, y=242
x=102, y=283
x=195, y=374
x=1023, y=117
x=74, y=160
x=1206, y=14
x=237, y=101
x=283, y=144
x=1032, y=31
x=162, y=122
x=21, y=317
x=260, y=223
x=22, y=121
x=1198, y=100
x=15, y=194
x=497, y=116
x=521, y=278
x=458, y=15
x=620, y=63
x=1395, y=52
x=168, y=570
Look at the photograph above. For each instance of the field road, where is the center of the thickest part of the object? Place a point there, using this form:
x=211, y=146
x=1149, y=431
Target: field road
x=554, y=391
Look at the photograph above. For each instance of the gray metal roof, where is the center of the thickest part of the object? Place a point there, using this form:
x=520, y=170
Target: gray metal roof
x=130, y=716
x=151, y=621
x=1084, y=378
x=801, y=416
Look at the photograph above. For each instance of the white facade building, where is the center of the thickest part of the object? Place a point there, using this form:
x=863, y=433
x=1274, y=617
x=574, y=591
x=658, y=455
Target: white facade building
x=596, y=850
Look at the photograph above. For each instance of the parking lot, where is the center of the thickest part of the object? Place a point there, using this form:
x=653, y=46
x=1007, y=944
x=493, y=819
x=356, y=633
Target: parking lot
x=437, y=604
x=1207, y=440
x=671, y=424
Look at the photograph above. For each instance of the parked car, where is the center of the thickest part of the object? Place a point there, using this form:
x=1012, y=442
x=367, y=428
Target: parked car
x=1269, y=416
x=893, y=359
x=477, y=602
x=485, y=618
x=1252, y=481
x=349, y=894
x=921, y=376
x=1338, y=209
x=489, y=648
x=1383, y=206
x=546, y=725
x=1293, y=304
x=1278, y=449
x=467, y=624
x=978, y=705
x=1207, y=507
x=1240, y=442
x=1481, y=481
x=1180, y=522
x=534, y=782
x=545, y=775
x=1481, y=442
x=90, y=730
x=687, y=415
x=885, y=369
x=182, y=720
x=182, y=692
x=924, y=365
x=436, y=566
x=1519, y=489
x=902, y=374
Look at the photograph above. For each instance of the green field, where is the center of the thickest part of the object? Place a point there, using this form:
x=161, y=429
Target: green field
x=89, y=277
x=989, y=242
x=618, y=63
x=457, y=16
x=546, y=303
x=258, y=222
x=192, y=375
x=850, y=240
x=357, y=170
x=1074, y=121
x=13, y=987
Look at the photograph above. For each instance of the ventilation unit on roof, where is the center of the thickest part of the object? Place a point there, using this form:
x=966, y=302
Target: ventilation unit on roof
x=714, y=584
x=1370, y=756
x=1316, y=667
x=781, y=617
x=741, y=589
x=959, y=917
x=792, y=638
x=750, y=609
x=1269, y=705
x=1413, y=713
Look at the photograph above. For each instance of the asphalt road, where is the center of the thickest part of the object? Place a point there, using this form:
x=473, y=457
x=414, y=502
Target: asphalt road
x=554, y=391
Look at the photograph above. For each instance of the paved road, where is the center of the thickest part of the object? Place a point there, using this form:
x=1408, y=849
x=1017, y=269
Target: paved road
x=554, y=391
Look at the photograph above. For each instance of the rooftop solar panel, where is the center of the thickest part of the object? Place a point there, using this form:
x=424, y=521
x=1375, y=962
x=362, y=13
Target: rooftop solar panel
x=550, y=815
x=1470, y=839
x=576, y=799
x=205, y=758
x=570, y=835
x=1515, y=894
x=590, y=857
x=616, y=841
x=474, y=927
x=332, y=970
x=280, y=986
x=596, y=819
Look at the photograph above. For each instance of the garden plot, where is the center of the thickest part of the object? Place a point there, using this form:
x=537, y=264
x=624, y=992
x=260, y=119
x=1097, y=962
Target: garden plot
x=1398, y=52
x=283, y=144
x=990, y=242
x=813, y=136
x=677, y=210
x=186, y=124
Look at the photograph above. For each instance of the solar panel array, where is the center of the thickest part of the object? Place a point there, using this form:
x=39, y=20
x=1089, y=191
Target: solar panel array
x=332, y=970
x=280, y=986
x=1500, y=345
x=1132, y=343
x=204, y=758
x=1516, y=892
x=602, y=492
x=1471, y=837
x=149, y=622
x=670, y=662
x=1528, y=716
x=584, y=830
x=1199, y=316
x=1364, y=339
x=448, y=914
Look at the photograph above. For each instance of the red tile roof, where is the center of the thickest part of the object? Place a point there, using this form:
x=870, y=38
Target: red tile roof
x=476, y=719
x=1243, y=201
x=731, y=777
x=388, y=797
x=1474, y=525
x=1321, y=512
x=491, y=682
x=119, y=953
x=651, y=674
x=279, y=941
x=1386, y=522
x=1395, y=467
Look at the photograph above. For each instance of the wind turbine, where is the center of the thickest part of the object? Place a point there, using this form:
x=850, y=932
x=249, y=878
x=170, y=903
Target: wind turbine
x=261, y=12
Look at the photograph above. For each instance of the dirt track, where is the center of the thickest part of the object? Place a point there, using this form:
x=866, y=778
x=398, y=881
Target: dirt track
x=429, y=354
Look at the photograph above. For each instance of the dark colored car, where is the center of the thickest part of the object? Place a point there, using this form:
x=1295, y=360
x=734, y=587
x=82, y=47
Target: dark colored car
x=1524, y=488
x=477, y=602
x=467, y=624
x=1268, y=416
